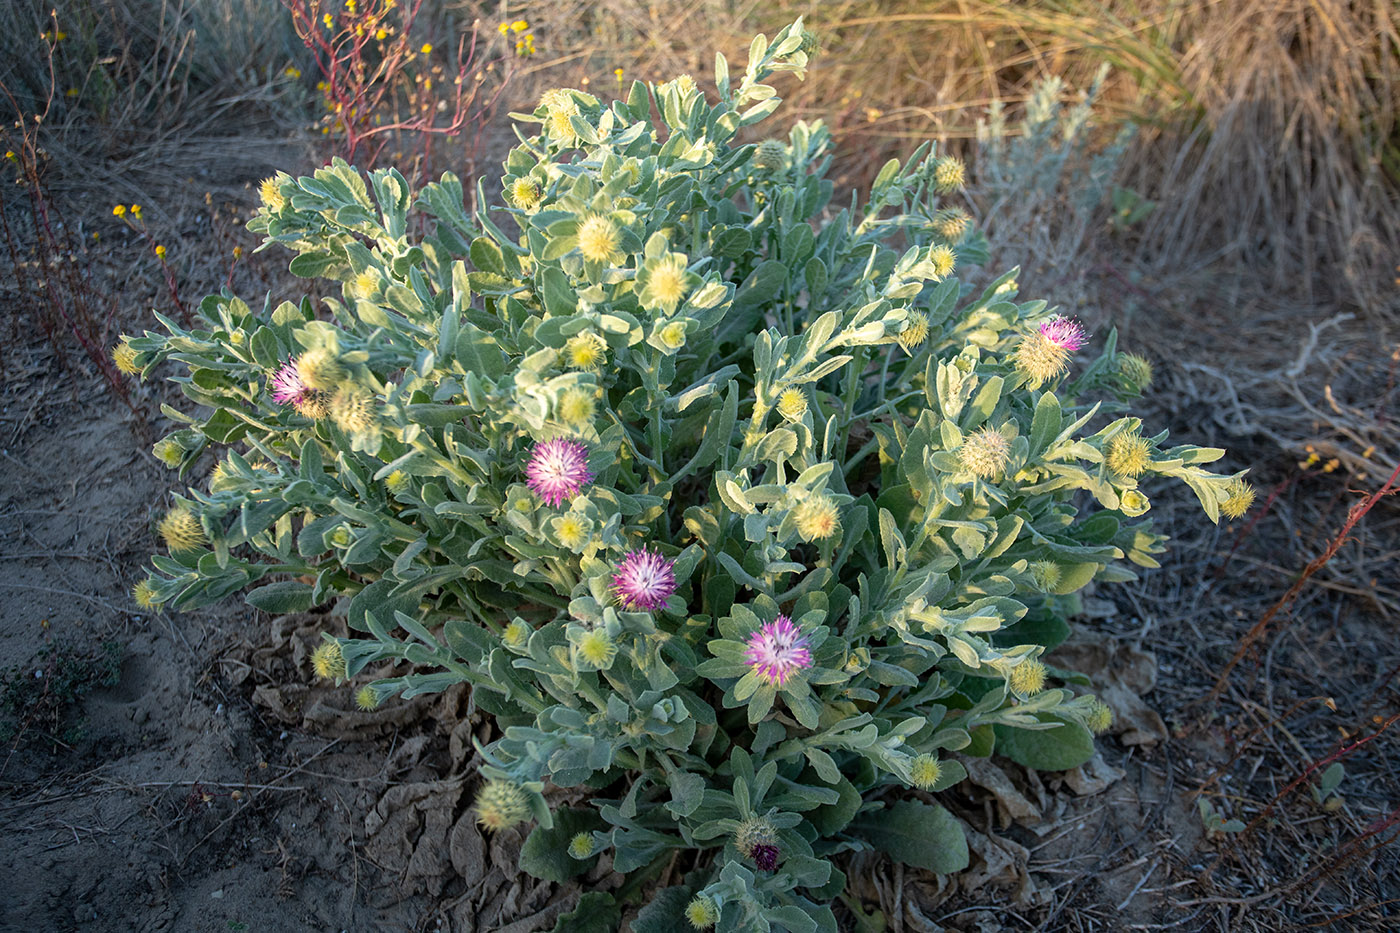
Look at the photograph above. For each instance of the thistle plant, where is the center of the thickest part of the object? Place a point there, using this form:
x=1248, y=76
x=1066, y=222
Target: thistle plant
x=727, y=510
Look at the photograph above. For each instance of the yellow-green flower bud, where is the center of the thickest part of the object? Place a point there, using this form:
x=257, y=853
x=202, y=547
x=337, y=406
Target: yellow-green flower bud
x=702, y=912
x=924, y=772
x=1136, y=371
x=943, y=260
x=581, y=846
x=328, y=661
x=1027, y=678
x=1129, y=454
x=1100, y=718
x=595, y=650
x=915, y=331
x=985, y=453
x=144, y=594
x=525, y=193
x=367, y=698
x=586, y=351
x=1046, y=574
x=169, y=452
x=181, y=530
x=353, y=410
x=952, y=224
x=792, y=404
x=949, y=175
x=124, y=358
x=817, y=517
x=770, y=154
x=1240, y=497
x=501, y=805
x=320, y=369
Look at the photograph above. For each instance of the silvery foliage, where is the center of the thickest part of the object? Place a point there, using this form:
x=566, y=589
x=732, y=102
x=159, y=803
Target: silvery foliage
x=418, y=525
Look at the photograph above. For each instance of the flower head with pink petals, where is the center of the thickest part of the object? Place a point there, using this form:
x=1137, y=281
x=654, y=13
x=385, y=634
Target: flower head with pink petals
x=557, y=470
x=1064, y=332
x=778, y=650
x=644, y=579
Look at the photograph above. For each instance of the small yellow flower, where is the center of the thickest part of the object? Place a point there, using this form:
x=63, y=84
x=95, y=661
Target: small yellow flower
x=124, y=358
x=924, y=772
x=144, y=594
x=181, y=530
x=949, y=175
x=427, y=48
x=136, y=211
x=328, y=20
x=596, y=650
x=792, y=404
x=328, y=661
x=599, y=239
x=586, y=351
x=381, y=34
x=367, y=698
x=817, y=518
x=503, y=28
x=1027, y=678
x=943, y=260
x=915, y=331
x=560, y=124
x=985, y=453
x=519, y=26
x=160, y=251
x=119, y=210
x=1240, y=497
x=501, y=804
x=1129, y=454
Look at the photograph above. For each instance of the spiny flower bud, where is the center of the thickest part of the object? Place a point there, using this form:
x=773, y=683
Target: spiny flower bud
x=943, y=260
x=577, y=406
x=397, y=481
x=702, y=912
x=144, y=594
x=765, y=857
x=169, y=452
x=501, y=804
x=985, y=453
x=1046, y=574
x=1099, y=718
x=952, y=224
x=362, y=286
x=949, y=175
x=915, y=331
x=1027, y=678
x=770, y=154
x=1240, y=497
x=586, y=351
x=792, y=404
x=352, y=409
x=1129, y=454
x=673, y=334
x=367, y=698
x=181, y=530
x=600, y=240
x=581, y=846
x=817, y=517
x=124, y=358
x=525, y=193
x=328, y=661
x=320, y=369
x=924, y=772
x=1135, y=370
x=811, y=44
x=571, y=530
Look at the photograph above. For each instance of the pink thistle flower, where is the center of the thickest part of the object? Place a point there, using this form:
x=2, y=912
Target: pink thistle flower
x=1064, y=332
x=778, y=650
x=644, y=579
x=765, y=858
x=557, y=470
x=287, y=387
